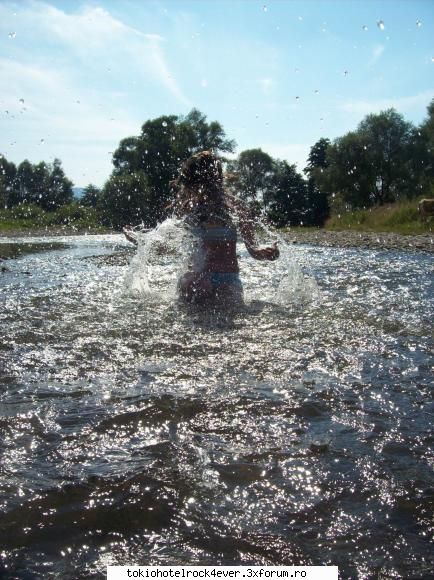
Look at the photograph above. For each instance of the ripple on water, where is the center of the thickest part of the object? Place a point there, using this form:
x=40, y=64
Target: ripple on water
x=138, y=430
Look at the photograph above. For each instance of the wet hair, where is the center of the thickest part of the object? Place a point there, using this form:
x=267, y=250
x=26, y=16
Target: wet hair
x=202, y=175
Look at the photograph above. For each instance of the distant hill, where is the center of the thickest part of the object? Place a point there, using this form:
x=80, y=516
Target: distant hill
x=78, y=192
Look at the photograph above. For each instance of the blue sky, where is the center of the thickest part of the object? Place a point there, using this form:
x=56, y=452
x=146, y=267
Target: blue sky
x=77, y=77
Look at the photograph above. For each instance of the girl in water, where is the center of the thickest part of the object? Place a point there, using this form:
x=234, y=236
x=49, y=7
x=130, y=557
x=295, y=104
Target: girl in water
x=213, y=270
x=207, y=211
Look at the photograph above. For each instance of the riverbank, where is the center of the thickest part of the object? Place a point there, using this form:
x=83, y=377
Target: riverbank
x=320, y=237
x=355, y=239
x=6, y=234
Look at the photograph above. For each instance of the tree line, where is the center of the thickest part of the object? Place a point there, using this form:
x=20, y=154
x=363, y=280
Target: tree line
x=384, y=160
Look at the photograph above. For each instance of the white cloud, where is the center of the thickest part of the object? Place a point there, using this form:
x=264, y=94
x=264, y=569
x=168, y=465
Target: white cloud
x=377, y=51
x=98, y=40
x=266, y=85
x=401, y=104
x=75, y=84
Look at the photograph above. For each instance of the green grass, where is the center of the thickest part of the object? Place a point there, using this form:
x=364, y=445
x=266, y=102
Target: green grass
x=400, y=218
x=31, y=218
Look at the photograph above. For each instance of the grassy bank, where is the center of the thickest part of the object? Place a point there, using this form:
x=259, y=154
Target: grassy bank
x=400, y=218
x=72, y=218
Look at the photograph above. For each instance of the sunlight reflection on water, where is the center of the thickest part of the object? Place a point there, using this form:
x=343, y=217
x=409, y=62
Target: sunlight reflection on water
x=145, y=430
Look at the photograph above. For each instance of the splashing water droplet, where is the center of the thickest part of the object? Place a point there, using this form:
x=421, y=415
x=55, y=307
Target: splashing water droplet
x=22, y=101
x=345, y=73
x=164, y=123
x=365, y=28
x=380, y=25
x=418, y=23
x=12, y=34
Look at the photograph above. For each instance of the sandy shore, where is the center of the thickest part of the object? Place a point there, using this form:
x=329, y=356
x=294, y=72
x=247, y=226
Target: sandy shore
x=370, y=240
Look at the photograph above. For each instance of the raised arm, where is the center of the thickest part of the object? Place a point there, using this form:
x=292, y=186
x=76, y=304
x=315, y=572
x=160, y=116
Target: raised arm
x=247, y=230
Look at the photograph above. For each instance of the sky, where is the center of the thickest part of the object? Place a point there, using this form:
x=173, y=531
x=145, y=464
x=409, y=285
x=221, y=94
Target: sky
x=77, y=77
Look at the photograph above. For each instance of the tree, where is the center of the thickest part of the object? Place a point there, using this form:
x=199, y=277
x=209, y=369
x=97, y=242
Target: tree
x=286, y=200
x=91, y=196
x=375, y=164
x=41, y=184
x=23, y=188
x=250, y=176
x=126, y=199
x=425, y=143
x=57, y=188
x=388, y=143
x=317, y=192
x=317, y=159
x=156, y=154
x=8, y=173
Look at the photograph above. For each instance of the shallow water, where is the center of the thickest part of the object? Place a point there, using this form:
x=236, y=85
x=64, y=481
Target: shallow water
x=296, y=429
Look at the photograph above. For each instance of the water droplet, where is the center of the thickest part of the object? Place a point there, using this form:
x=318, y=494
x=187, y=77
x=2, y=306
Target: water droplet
x=418, y=23
x=316, y=91
x=345, y=73
x=22, y=101
x=12, y=34
x=432, y=59
x=297, y=98
x=300, y=18
x=164, y=123
x=380, y=25
x=78, y=102
x=264, y=8
x=365, y=28
x=42, y=141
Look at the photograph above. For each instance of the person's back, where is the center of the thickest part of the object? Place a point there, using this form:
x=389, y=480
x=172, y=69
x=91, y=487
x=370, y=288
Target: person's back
x=213, y=270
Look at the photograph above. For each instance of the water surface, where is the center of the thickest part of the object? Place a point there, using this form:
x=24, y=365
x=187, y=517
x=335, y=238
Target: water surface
x=296, y=429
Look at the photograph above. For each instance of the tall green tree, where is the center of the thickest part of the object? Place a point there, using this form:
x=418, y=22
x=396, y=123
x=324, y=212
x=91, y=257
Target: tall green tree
x=91, y=195
x=56, y=187
x=286, y=199
x=8, y=173
x=388, y=142
x=157, y=153
x=375, y=164
x=23, y=190
x=41, y=184
x=126, y=199
x=250, y=176
x=425, y=144
x=317, y=192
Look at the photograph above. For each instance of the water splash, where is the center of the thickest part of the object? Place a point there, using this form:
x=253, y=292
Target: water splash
x=164, y=254
x=161, y=256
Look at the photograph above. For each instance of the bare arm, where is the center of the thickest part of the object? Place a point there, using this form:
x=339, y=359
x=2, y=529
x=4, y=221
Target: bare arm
x=130, y=236
x=247, y=230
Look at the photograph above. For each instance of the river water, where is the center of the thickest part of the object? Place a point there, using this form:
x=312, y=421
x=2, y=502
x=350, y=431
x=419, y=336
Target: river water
x=295, y=429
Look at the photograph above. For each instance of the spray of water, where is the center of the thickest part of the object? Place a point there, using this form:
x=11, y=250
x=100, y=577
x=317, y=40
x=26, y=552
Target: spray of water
x=163, y=255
